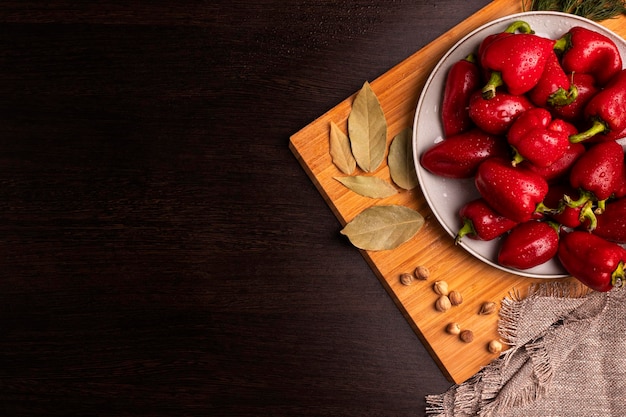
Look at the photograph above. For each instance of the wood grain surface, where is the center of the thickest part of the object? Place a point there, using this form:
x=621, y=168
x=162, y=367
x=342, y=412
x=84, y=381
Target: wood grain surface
x=398, y=91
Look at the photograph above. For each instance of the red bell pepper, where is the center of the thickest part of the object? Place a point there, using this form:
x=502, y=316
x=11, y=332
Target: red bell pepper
x=560, y=168
x=537, y=138
x=527, y=122
x=554, y=88
x=516, y=62
x=512, y=192
x=611, y=225
x=518, y=26
x=462, y=80
x=529, y=244
x=598, y=174
x=606, y=112
x=482, y=222
x=459, y=156
x=496, y=116
x=594, y=261
x=590, y=52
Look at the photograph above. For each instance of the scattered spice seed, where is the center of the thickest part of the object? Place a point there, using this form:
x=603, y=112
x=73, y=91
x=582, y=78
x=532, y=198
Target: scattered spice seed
x=441, y=287
x=488, y=307
x=455, y=298
x=453, y=328
x=466, y=336
x=495, y=346
x=406, y=278
x=422, y=273
x=443, y=303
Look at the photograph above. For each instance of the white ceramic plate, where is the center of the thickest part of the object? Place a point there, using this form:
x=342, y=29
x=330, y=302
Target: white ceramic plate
x=446, y=196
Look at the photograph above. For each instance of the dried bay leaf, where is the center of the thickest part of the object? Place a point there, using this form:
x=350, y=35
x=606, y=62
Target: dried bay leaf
x=400, y=160
x=340, y=150
x=383, y=227
x=372, y=187
x=367, y=129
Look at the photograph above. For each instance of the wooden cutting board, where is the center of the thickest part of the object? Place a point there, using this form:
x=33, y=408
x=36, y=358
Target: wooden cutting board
x=398, y=91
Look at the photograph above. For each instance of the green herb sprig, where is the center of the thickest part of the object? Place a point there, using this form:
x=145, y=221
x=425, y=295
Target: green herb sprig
x=596, y=10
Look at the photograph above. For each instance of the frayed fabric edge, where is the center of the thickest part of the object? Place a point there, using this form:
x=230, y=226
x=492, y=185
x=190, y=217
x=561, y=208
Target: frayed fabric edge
x=527, y=396
x=435, y=405
x=466, y=399
x=559, y=289
x=495, y=398
x=542, y=365
x=510, y=310
x=482, y=394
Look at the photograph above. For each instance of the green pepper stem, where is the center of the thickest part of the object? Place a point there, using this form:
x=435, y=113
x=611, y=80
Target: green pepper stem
x=467, y=229
x=471, y=58
x=563, y=43
x=495, y=81
x=519, y=25
x=517, y=157
x=586, y=213
x=541, y=208
x=598, y=127
x=555, y=225
x=563, y=97
x=617, y=277
x=585, y=196
x=601, y=207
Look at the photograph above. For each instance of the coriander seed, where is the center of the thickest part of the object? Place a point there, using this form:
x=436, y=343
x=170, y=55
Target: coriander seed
x=488, y=307
x=406, y=278
x=466, y=336
x=495, y=346
x=455, y=298
x=422, y=273
x=441, y=287
x=443, y=303
x=453, y=328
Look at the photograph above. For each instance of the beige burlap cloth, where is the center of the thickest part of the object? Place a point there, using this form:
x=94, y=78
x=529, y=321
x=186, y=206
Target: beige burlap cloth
x=567, y=358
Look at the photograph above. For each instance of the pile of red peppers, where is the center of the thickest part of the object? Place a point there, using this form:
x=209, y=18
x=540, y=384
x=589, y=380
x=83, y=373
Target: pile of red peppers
x=536, y=122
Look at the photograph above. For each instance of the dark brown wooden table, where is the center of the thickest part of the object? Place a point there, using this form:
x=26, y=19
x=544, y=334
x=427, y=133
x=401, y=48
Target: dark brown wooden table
x=162, y=252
